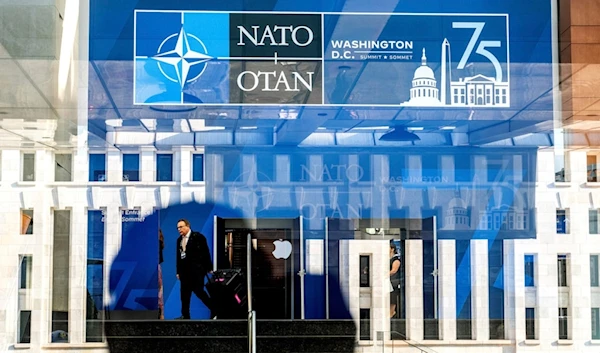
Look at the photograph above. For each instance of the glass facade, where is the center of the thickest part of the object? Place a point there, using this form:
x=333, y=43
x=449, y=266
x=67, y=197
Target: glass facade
x=529, y=270
x=420, y=169
x=95, y=276
x=197, y=167
x=97, y=167
x=24, y=310
x=131, y=167
x=61, y=258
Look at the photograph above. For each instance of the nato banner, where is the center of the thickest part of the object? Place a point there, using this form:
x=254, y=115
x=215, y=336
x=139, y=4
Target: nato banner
x=268, y=58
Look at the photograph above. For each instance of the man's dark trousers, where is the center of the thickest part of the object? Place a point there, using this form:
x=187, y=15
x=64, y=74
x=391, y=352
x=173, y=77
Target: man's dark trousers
x=193, y=282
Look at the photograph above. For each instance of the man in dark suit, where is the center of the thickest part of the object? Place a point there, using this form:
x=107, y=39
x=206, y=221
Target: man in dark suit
x=193, y=263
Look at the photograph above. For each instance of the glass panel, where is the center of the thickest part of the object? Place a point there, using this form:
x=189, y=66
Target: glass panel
x=131, y=167
x=365, y=274
x=561, y=222
x=267, y=167
x=25, y=272
x=496, y=290
x=560, y=163
x=28, y=167
x=530, y=323
x=365, y=324
x=24, y=326
x=596, y=323
x=593, y=222
x=562, y=271
x=63, y=165
x=529, y=271
x=563, y=325
x=25, y=299
x=60, y=277
x=463, y=290
x=95, y=277
x=97, y=169
x=198, y=167
x=594, y=280
x=164, y=167
x=592, y=176
x=26, y=221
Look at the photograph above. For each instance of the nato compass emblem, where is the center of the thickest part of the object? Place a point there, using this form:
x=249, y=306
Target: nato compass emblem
x=179, y=57
x=189, y=52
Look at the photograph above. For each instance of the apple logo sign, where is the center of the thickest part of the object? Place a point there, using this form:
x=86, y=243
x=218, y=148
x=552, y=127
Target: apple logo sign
x=283, y=249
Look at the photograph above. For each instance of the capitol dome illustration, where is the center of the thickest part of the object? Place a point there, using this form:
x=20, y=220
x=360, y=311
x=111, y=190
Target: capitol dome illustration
x=457, y=215
x=424, y=91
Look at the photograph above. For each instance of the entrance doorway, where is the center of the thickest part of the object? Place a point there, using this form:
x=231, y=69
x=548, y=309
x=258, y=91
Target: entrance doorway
x=272, y=267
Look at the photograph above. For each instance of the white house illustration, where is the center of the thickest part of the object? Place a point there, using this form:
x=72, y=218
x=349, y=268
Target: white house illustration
x=478, y=90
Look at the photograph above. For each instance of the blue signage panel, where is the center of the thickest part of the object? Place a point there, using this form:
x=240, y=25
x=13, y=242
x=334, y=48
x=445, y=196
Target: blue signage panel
x=422, y=60
x=413, y=60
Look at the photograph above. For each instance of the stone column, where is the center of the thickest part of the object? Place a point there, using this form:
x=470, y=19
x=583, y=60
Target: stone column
x=479, y=290
x=547, y=298
x=114, y=166
x=77, y=271
x=414, y=289
x=148, y=165
x=447, y=289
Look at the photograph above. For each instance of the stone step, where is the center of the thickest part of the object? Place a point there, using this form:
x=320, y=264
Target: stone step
x=230, y=336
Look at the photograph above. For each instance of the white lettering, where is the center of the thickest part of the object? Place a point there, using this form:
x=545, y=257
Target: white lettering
x=240, y=79
x=310, y=33
x=298, y=77
x=244, y=32
x=333, y=172
x=372, y=44
x=262, y=79
x=266, y=75
x=269, y=34
x=281, y=79
x=283, y=29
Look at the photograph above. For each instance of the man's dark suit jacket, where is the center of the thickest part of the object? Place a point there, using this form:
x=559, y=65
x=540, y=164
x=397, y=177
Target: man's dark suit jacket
x=197, y=261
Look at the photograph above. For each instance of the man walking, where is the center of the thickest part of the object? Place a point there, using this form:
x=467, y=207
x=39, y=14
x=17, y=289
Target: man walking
x=193, y=263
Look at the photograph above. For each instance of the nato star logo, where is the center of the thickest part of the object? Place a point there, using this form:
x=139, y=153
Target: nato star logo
x=179, y=57
x=182, y=57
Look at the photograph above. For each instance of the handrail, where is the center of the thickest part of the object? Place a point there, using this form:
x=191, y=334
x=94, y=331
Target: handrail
x=417, y=346
x=251, y=313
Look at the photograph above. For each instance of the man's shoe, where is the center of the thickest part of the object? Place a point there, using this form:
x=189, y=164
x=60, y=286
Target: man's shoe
x=183, y=318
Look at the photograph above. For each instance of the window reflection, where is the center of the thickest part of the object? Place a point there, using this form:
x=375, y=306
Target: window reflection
x=60, y=276
x=25, y=299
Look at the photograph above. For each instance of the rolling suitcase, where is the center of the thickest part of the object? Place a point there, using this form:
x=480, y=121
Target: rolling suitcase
x=227, y=288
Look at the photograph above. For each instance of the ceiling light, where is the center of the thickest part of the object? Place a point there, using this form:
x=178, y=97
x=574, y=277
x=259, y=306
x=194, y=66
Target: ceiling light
x=414, y=128
x=448, y=127
x=199, y=125
x=371, y=128
x=248, y=127
x=399, y=134
x=321, y=128
x=114, y=122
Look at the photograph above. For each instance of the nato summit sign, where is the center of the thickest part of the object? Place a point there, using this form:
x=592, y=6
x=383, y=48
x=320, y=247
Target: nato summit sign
x=373, y=59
